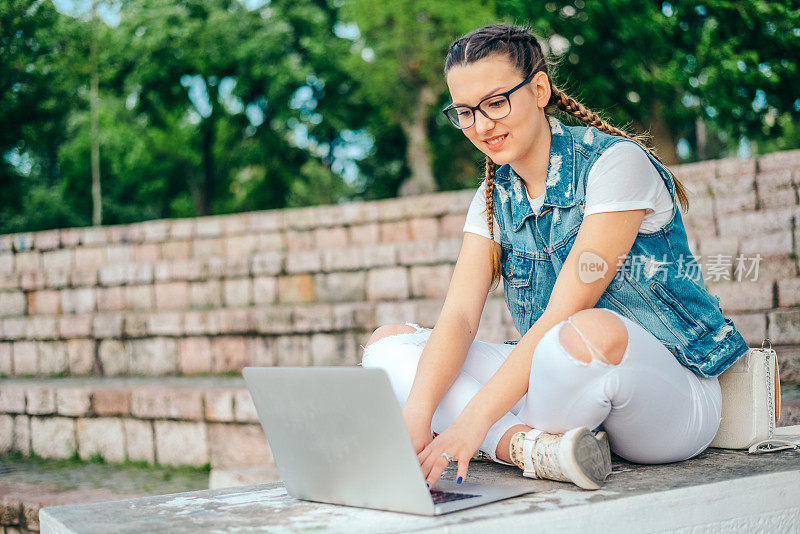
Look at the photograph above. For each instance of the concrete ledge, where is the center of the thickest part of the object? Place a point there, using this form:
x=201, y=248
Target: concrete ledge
x=720, y=490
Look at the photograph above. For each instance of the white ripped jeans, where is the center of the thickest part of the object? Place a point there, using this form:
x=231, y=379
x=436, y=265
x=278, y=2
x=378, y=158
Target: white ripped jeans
x=654, y=409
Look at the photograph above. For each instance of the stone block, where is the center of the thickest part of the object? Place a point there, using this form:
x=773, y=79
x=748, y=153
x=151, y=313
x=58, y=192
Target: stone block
x=205, y=294
x=139, y=442
x=269, y=263
x=94, y=235
x=80, y=356
x=14, y=328
x=172, y=295
x=208, y=248
x=176, y=250
x=789, y=292
x=364, y=234
x=234, y=224
x=378, y=256
x=776, y=161
x=219, y=405
x=424, y=229
x=119, y=254
x=6, y=358
x=40, y=400
x=40, y=327
x=430, y=281
x=6, y=262
x=25, y=357
x=394, y=312
x=752, y=326
x=296, y=288
x=155, y=231
x=341, y=286
x=302, y=240
x=111, y=298
x=393, y=232
x=261, y=351
x=52, y=357
x=234, y=321
x=426, y=311
x=343, y=259
x=30, y=260
x=182, y=228
x=194, y=355
x=331, y=350
x=238, y=292
x=734, y=201
x=265, y=221
x=166, y=323
x=47, y=240
x=179, y=443
x=70, y=237
x=229, y=353
x=104, y=436
x=89, y=258
x=22, y=434
x=389, y=283
x=417, y=252
x=139, y=297
x=756, y=222
x=6, y=434
x=107, y=325
x=273, y=320
x=265, y=289
x=44, y=301
x=312, y=318
x=772, y=244
x=238, y=445
x=113, y=275
x=784, y=326
x=111, y=401
x=153, y=356
x=12, y=399
x=201, y=322
x=135, y=324
x=241, y=246
x=53, y=437
x=73, y=401
x=82, y=278
x=13, y=303
x=140, y=273
x=270, y=242
x=331, y=237
x=79, y=300
x=293, y=351
x=114, y=359
x=243, y=408
x=56, y=279
x=167, y=403
x=303, y=261
x=30, y=280
x=208, y=226
x=353, y=315
x=780, y=198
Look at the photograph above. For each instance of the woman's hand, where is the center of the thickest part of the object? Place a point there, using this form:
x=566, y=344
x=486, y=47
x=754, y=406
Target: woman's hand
x=419, y=427
x=461, y=440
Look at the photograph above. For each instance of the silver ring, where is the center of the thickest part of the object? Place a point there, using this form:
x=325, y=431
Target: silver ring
x=449, y=458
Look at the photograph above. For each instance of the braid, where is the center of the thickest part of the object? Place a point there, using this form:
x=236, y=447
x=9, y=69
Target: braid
x=571, y=106
x=491, y=169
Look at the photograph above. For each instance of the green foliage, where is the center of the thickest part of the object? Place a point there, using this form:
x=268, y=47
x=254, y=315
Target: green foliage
x=209, y=106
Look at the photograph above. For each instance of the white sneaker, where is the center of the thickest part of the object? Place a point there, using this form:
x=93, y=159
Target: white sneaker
x=575, y=456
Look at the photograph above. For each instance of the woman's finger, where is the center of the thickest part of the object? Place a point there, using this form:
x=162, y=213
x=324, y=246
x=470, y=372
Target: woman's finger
x=463, y=466
x=436, y=471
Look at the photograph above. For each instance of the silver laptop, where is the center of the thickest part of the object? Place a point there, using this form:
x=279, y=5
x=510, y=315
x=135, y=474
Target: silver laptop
x=338, y=436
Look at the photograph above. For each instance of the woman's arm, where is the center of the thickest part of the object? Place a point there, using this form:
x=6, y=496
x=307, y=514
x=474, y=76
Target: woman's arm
x=455, y=329
x=608, y=235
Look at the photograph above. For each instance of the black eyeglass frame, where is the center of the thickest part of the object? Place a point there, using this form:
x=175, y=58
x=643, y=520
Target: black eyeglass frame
x=506, y=94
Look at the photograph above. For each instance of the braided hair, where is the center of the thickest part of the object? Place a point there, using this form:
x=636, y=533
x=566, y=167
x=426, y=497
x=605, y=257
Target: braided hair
x=524, y=52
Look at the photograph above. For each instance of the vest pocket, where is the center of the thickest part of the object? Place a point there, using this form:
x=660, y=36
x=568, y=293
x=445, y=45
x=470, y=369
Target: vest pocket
x=517, y=269
x=678, y=311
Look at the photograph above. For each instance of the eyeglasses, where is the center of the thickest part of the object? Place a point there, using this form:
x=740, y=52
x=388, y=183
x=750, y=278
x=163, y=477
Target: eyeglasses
x=493, y=107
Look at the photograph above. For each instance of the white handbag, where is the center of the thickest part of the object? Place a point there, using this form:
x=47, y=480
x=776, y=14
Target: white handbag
x=751, y=403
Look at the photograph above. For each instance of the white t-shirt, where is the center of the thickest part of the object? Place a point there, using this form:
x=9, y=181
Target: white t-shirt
x=622, y=178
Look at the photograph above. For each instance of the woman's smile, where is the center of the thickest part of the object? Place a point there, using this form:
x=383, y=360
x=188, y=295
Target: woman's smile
x=496, y=142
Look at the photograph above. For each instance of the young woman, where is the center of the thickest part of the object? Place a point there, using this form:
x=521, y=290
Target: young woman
x=621, y=342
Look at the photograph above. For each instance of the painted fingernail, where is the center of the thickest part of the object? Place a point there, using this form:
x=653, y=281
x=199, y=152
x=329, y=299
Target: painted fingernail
x=459, y=480
x=427, y=484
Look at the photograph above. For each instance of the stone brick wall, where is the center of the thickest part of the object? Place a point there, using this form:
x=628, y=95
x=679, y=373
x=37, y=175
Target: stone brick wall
x=173, y=301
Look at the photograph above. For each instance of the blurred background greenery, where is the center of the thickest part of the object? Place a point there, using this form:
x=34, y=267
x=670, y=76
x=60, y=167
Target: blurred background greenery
x=178, y=108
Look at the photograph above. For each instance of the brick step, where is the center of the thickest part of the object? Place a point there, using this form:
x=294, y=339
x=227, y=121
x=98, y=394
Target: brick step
x=169, y=421
x=216, y=340
x=26, y=485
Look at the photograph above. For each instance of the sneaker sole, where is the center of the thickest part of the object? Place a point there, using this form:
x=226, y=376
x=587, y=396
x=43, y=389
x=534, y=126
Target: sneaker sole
x=602, y=439
x=582, y=460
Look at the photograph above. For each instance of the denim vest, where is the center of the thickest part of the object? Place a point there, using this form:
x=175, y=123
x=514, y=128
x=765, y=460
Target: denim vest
x=659, y=285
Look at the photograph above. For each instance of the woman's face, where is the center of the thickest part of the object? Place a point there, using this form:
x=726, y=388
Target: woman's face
x=510, y=139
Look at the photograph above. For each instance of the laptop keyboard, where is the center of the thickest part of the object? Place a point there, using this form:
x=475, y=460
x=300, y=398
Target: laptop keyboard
x=447, y=496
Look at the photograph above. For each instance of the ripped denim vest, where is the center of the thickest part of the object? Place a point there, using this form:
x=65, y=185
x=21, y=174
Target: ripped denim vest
x=659, y=285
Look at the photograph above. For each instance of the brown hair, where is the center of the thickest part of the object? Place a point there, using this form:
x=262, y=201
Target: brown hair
x=525, y=53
